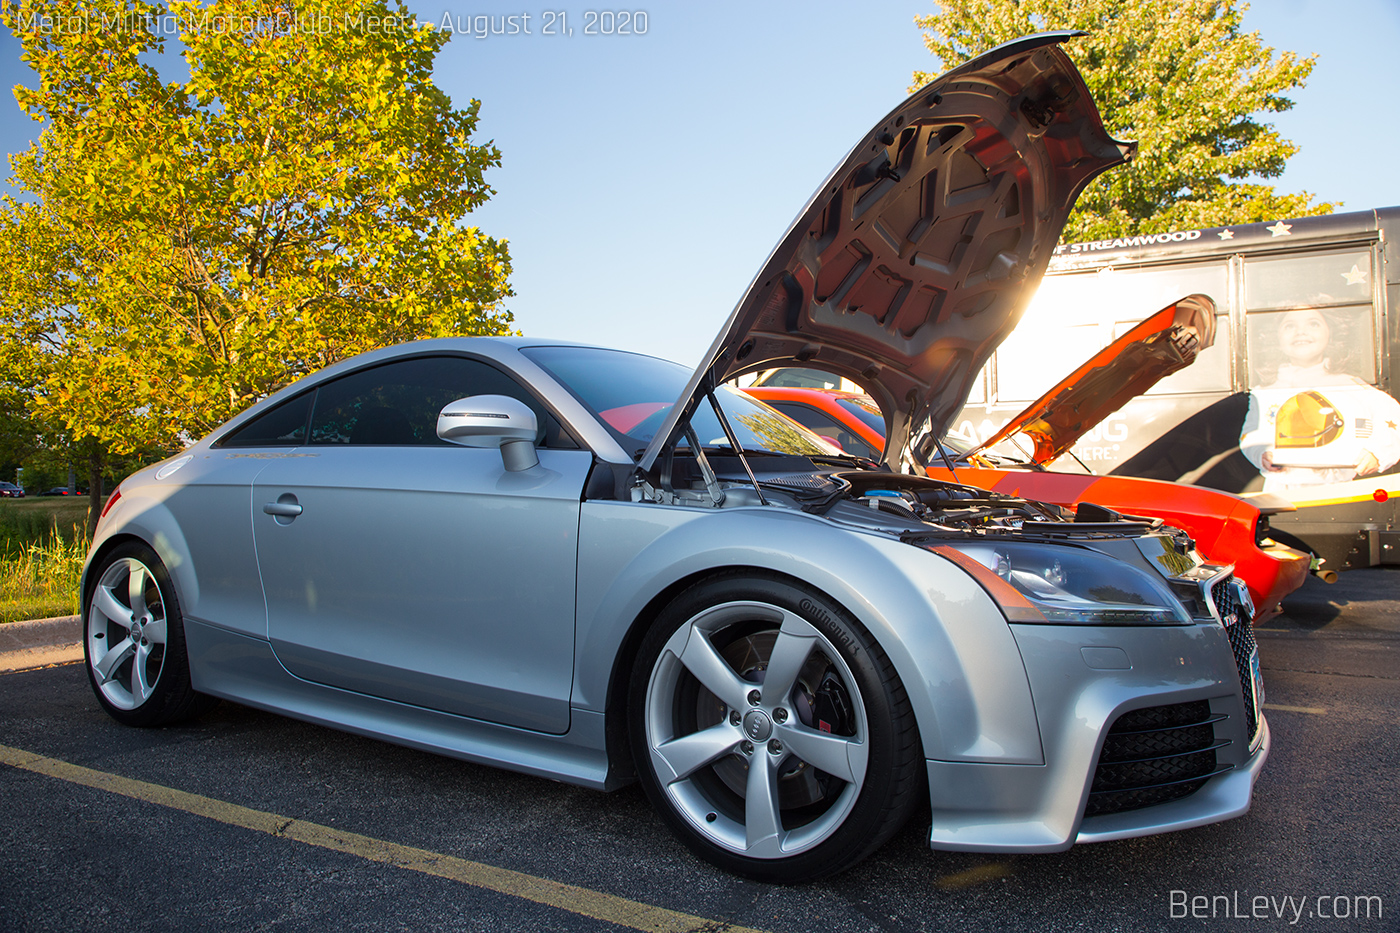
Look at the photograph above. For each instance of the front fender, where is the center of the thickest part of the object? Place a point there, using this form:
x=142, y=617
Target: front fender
x=143, y=515
x=945, y=637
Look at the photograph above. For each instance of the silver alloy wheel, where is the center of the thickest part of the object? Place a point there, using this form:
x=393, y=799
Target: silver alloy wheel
x=127, y=633
x=761, y=727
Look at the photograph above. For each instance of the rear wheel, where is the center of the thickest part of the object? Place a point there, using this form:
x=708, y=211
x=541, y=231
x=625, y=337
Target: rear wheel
x=134, y=641
x=771, y=731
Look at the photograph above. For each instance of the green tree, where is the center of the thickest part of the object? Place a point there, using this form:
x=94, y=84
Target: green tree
x=193, y=245
x=1181, y=78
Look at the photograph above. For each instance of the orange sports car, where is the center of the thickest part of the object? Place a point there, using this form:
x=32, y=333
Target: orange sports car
x=1227, y=528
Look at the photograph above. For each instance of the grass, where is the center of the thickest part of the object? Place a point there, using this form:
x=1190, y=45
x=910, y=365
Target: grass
x=42, y=546
x=28, y=521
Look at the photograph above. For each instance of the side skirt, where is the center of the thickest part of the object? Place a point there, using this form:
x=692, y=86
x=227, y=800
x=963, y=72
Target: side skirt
x=244, y=669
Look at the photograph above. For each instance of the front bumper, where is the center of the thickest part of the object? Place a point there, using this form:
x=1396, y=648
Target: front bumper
x=1083, y=678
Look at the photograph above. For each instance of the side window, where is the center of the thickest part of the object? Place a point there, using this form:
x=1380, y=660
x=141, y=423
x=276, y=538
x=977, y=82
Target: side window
x=284, y=426
x=825, y=425
x=398, y=403
x=1310, y=320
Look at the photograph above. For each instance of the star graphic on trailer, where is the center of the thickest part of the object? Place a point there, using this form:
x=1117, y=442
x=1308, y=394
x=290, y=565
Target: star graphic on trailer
x=1226, y=234
x=1355, y=276
x=1390, y=424
x=1280, y=229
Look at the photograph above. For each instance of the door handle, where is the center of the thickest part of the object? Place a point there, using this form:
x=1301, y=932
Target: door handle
x=284, y=509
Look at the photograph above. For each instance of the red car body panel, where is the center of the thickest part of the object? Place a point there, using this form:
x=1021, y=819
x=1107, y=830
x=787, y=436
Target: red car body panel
x=1154, y=349
x=1223, y=525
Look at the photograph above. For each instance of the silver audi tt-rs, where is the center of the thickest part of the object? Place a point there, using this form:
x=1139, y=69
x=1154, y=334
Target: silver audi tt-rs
x=600, y=567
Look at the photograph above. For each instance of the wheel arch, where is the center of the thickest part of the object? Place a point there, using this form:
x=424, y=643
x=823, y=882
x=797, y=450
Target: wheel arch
x=95, y=559
x=149, y=522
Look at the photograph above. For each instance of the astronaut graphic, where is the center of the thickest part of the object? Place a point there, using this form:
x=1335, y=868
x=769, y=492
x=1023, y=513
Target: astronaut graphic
x=1312, y=425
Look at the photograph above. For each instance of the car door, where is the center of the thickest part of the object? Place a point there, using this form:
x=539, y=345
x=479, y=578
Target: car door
x=400, y=566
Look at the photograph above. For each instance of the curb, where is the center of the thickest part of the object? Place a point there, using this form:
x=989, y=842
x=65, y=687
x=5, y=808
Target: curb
x=40, y=643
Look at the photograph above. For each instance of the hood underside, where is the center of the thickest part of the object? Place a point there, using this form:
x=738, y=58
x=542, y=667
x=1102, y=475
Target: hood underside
x=916, y=257
x=1167, y=341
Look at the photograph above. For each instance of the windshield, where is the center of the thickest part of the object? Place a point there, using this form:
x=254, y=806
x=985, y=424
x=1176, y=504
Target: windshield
x=631, y=395
x=866, y=410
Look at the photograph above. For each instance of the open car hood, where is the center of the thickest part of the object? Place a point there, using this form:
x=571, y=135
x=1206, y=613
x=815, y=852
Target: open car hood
x=916, y=257
x=1167, y=341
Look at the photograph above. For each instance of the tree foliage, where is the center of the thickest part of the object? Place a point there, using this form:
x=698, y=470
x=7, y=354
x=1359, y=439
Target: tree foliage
x=193, y=245
x=1181, y=78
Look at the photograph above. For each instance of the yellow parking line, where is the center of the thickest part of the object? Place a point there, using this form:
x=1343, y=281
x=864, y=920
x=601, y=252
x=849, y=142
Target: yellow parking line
x=577, y=900
x=977, y=874
x=1315, y=710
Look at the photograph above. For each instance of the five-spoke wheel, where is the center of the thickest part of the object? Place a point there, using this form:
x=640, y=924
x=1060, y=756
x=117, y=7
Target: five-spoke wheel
x=770, y=730
x=127, y=632
x=134, y=640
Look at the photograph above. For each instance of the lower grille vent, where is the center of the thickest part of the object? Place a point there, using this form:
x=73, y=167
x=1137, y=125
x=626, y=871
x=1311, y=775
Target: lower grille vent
x=1155, y=755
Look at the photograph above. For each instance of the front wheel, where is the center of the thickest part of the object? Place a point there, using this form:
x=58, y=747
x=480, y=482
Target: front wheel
x=134, y=641
x=771, y=731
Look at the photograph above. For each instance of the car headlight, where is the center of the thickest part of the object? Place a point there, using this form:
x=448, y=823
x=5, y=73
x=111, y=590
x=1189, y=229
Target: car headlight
x=1064, y=585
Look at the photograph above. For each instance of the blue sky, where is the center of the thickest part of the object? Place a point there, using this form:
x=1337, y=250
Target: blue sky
x=646, y=177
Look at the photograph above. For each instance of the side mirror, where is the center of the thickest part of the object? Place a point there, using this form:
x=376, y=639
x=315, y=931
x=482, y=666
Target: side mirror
x=492, y=421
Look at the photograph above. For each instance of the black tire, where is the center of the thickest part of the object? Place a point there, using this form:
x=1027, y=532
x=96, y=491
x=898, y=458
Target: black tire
x=137, y=662
x=724, y=765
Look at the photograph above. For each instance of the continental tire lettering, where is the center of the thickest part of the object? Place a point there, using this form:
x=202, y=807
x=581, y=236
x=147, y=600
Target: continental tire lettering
x=815, y=611
x=837, y=632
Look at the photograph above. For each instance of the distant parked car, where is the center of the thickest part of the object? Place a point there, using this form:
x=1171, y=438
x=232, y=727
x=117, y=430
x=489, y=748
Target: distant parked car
x=10, y=491
x=61, y=491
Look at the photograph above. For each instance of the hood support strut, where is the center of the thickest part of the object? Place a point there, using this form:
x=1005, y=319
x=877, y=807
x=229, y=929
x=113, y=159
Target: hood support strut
x=685, y=429
x=712, y=485
x=733, y=440
x=943, y=452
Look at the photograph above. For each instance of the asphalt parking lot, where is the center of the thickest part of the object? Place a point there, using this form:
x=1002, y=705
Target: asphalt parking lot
x=249, y=821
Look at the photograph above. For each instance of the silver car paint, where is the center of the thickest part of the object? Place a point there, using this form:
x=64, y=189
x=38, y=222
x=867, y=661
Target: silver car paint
x=395, y=579
x=143, y=512
x=210, y=498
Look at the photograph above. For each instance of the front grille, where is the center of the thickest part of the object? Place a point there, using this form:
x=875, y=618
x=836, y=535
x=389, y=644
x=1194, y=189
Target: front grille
x=1241, y=631
x=1154, y=755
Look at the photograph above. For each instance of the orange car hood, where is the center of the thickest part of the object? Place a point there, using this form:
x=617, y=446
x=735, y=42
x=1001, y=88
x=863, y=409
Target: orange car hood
x=1167, y=341
x=916, y=257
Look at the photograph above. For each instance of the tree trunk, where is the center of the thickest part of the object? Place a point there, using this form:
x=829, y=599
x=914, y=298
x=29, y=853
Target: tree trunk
x=94, y=489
